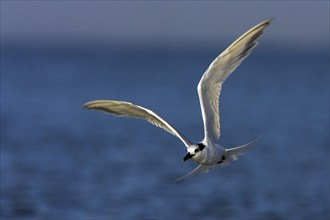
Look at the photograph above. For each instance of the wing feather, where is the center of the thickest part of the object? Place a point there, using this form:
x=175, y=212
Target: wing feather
x=198, y=169
x=209, y=87
x=126, y=109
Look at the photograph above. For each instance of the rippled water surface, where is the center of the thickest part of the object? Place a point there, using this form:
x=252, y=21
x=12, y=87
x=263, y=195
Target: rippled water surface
x=60, y=161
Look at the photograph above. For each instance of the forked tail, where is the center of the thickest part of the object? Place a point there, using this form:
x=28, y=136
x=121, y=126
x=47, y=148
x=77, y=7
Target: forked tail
x=233, y=153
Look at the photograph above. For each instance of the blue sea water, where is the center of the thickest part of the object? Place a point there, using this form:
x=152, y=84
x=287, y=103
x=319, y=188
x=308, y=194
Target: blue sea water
x=59, y=161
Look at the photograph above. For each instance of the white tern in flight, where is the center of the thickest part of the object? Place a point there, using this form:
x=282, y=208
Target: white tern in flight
x=206, y=153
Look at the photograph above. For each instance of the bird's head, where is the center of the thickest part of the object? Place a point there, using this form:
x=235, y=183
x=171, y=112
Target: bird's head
x=193, y=151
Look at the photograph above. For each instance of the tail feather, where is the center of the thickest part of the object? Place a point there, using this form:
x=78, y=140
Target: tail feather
x=233, y=153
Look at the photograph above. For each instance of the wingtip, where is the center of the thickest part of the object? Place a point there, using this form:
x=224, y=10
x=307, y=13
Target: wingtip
x=84, y=106
x=257, y=140
x=271, y=19
x=88, y=105
x=266, y=22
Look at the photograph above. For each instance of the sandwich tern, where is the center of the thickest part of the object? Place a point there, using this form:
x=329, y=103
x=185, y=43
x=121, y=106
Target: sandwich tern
x=207, y=154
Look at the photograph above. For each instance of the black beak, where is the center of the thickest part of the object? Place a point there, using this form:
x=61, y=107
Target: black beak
x=188, y=156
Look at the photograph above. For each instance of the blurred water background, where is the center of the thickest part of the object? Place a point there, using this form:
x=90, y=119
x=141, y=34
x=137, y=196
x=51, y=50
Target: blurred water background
x=60, y=161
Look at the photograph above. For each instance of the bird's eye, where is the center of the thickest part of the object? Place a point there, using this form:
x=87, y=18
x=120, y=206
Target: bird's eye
x=196, y=150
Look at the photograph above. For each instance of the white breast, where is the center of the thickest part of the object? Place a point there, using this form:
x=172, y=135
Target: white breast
x=210, y=155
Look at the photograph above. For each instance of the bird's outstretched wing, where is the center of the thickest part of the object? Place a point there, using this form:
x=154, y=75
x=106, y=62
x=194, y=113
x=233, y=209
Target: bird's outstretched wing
x=126, y=109
x=209, y=87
